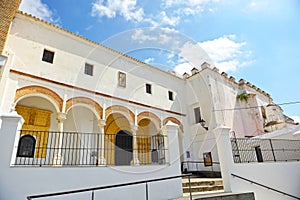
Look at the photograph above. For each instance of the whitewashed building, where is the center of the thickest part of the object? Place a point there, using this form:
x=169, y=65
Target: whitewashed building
x=92, y=116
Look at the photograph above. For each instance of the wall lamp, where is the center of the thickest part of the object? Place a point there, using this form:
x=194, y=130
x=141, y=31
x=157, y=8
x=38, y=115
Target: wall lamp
x=203, y=123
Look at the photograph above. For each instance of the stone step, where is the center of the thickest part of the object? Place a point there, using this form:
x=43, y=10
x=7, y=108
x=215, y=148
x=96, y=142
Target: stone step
x=227, y=196
x=221, y=196
x=202, y=184
x=205, y=188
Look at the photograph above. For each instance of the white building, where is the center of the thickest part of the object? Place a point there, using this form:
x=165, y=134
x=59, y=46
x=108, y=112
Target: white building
x=94, y=117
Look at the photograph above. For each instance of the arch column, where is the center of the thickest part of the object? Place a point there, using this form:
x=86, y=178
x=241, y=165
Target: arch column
x=101, y=157
x=164, y=132
x=57, y=157
x=135, y=160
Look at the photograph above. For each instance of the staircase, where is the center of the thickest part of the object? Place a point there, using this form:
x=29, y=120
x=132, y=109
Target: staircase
x=202, y=185
x=210, y=189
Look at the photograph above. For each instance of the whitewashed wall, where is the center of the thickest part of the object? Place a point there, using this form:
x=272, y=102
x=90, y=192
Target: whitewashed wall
x=18, y=182
x=282, y=176
x=28, y=38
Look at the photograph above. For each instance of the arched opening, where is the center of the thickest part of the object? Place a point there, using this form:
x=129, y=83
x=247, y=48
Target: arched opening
x=116, y=126
x=80, y=143
x=150, y=143
x=158, y=149
x=123, y=148
x=39, y=91
x=39, y=118
x=38, y=113
x=87, y=102
x=81, y=118
x=26, y=146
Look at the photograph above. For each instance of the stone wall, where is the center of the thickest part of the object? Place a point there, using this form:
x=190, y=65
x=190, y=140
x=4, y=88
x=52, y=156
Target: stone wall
x=8, y=10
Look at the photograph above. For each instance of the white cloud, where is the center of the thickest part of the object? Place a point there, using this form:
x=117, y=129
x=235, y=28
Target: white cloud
x=37, y=8
x=159, y=36
x=149, y=60
x=227, y=54
x=125, y=8
x=170, y=14
x=193, y=53
x=191, y=3
x=223, y=52
x=191, y=7
x=183, y=67
x=140, y=36
x=165, y=19
x=222, y=48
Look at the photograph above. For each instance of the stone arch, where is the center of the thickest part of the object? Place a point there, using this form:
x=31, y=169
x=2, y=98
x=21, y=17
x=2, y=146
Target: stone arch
x=122, y=110
x=87, y=102
x=115, y=122
x=148, y=115
x=174, y=120
x=35, y=90
x=148, y=132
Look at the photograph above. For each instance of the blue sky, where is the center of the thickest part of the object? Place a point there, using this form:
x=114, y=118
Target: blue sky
x=257, y=40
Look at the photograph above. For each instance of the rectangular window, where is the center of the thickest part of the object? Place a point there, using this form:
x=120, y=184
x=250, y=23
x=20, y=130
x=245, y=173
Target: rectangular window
x=88, y=69
x=48, y=56
x=148, y=88
x=197, y=115
x=171, y=95
x=122, y=79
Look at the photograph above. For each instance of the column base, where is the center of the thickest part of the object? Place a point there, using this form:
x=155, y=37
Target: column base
x=57, y=160
x=101, y=162
x=135, y=162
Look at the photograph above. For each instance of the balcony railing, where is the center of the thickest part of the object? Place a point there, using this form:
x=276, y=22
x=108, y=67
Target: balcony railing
x=265, y=150
x=197, y=166
x=43, y=148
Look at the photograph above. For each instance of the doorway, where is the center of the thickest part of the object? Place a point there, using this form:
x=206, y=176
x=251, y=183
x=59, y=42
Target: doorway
x=123, y=148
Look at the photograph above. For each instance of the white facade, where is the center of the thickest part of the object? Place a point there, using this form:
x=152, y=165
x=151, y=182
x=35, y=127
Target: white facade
x=101, y=102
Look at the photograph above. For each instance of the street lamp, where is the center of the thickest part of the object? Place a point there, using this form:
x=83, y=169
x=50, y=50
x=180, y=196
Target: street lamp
x=203, y=122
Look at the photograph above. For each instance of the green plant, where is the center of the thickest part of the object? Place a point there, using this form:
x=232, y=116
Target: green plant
x=243, y=97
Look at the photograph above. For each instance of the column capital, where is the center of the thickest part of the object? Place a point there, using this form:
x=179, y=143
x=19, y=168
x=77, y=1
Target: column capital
x=171, y=125
x=134, y=128
x=61, y=117
x=101, y=122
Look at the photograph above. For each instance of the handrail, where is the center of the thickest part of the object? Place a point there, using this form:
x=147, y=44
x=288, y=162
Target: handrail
x=259, y=184
x=192, y=161
x=194, y=166
x=103, y=187
x=216, y=163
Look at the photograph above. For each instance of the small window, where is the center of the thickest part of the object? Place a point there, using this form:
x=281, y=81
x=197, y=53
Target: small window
x=171, y=95
x=197, y=115
x=121, y=79
x=148, y=88
x=48, y=56
x=26, y=146
x=88, y=69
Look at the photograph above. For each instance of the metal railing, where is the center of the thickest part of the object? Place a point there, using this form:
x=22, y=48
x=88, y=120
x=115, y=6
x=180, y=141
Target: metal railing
x=265, y=150
x=197, y=166
x=264, y=186
x=111, y=186
x=43, y=148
